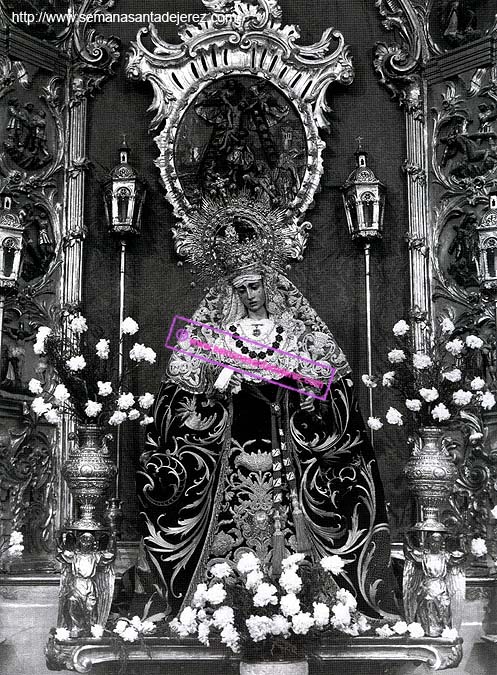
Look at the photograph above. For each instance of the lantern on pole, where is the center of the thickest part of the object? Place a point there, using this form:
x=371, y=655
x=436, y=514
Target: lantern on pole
x=487, y=246
x=11, y=246
x=124, y=196
x=364, y=202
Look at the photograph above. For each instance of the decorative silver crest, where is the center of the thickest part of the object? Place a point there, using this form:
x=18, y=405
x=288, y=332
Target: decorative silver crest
x=240, y=105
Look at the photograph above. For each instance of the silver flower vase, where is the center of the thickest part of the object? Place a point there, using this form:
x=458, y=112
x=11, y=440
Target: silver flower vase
x=89, y=472
x=431, y=475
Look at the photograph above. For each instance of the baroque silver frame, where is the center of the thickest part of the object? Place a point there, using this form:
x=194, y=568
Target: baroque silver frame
x=247, y=39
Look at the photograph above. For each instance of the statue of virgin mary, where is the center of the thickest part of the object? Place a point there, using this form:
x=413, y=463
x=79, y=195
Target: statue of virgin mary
x=238, y=463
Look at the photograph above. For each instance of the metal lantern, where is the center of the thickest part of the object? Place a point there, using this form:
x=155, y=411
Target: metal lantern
x=124, y=196
x=364, y=199
x=11, y=230
x=487, y=244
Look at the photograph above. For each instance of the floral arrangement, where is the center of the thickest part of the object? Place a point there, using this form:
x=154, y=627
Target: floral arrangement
x=436, y=384
x=264, y=619
x=10, y=549
x=89, y=387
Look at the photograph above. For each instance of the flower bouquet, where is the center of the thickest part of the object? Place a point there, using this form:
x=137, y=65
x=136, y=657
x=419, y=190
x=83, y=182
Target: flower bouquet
x=436, y=383
x=89, y=388
x=267, y=619
x=9, y=549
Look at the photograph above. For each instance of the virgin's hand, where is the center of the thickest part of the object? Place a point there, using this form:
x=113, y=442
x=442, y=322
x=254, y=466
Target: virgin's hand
x=235, y=383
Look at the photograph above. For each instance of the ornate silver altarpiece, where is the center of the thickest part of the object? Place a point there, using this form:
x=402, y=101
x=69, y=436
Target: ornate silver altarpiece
x=47, y=75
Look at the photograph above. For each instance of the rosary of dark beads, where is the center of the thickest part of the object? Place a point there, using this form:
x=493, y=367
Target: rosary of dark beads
x=262, y=354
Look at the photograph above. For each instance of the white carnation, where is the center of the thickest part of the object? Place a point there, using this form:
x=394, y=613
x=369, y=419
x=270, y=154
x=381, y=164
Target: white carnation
x=415, y=630
x=440, y=413
x=280, y=625
x=216, y=594
x=461, y=397
x=220, y=570
x=35, y=386
x=290, y=581
x=396, y=356
x=104, y=388
x=374, y=423
x=346, y=598
x=253, y=580
x=385, y=631
x=146, y=420
x=130, y=634
x=102, y=348
x=292, y=560
x=449, y=634
x=125, y=401
x=453, y=375
x=447, y=326
x=121, y=626
x=141, y=353
x=302, y=622
x=52, y=416
x=133, y=414
x=265, y=595
x=421, y=361
x=341, y=615
x=97, y=631
x=394, y=417
x=203, y=633
x=117, y=418
x=478, y=547
x=231, y=638
x=455, y=347
x=321, y=614
x=223, y=616
x=289, y=604
x=388, y=378
x=92, y=409
x=146, y=401
x=400, y=627
x=413, y=404
x=487, y=400
x=76, y=363
x=62, y=634
x=474, y=342
x=247, y=563
x=333, y=564
x=60, y=394
x=429, y=395
x=200, y=595
x=400, y=328
x=368, y=381
x=78, y=325
x=39, y=406
x=129, y=326
x=259, y=627
x=477, y=383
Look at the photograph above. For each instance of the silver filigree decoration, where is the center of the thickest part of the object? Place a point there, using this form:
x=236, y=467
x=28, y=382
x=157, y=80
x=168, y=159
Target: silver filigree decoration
x=249, y=40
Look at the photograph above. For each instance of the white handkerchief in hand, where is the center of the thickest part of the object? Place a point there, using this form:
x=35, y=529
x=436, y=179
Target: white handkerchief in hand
x=223, y=379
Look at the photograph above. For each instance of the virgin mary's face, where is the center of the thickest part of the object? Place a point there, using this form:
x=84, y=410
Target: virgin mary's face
x=252, y=295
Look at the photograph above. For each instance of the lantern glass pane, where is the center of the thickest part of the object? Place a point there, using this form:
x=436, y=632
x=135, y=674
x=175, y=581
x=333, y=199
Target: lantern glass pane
x=122, y=208
x=8, y=261
x=491, y=262
x=368, y=211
